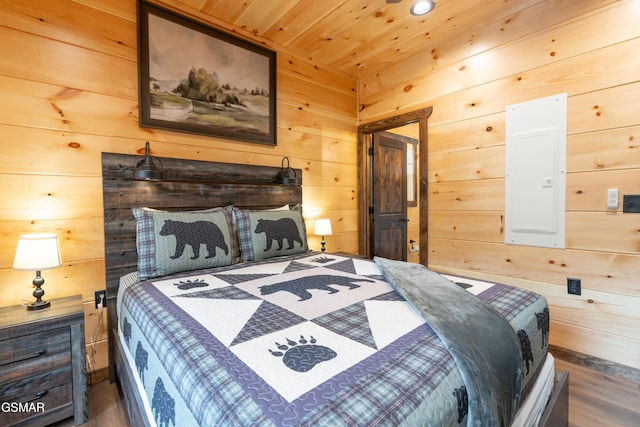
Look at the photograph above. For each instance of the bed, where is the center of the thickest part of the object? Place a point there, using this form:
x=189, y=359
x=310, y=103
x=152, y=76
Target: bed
x=266, y=332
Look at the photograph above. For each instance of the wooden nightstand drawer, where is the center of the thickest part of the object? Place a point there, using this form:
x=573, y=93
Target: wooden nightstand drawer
x=34, y=345
x=54, y=399
x=33, y=357
x=34, y=353
x=32, y=387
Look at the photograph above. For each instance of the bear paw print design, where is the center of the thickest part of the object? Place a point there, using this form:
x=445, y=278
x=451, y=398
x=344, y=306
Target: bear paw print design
x=197, y=283
x=303, y=355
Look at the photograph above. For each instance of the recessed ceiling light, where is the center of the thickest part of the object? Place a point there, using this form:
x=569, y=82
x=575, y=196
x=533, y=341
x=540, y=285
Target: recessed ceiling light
x=422, y=7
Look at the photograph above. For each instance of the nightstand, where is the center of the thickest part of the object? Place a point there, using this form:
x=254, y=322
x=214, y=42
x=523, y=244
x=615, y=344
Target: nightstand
x=42, y=364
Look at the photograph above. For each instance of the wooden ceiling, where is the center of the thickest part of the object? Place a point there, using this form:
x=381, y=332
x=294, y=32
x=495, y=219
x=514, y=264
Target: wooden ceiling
x=358, y=36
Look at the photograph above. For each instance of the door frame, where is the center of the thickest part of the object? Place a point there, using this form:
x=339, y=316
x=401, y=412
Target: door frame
x=365, y=135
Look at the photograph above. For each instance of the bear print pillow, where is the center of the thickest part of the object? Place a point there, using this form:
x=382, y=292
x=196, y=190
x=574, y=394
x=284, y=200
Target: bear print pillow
x=267, y=234
x=170, y=242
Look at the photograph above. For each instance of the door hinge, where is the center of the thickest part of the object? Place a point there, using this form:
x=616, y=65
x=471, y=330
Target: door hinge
x=371, y=151
x=370, y=210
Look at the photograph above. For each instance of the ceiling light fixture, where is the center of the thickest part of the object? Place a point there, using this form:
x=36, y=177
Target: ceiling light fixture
x=422, y=7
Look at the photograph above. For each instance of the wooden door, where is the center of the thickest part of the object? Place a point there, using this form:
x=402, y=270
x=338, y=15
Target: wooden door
x=389, y=196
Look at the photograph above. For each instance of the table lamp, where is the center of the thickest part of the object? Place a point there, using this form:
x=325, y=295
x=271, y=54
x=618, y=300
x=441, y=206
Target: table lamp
x=37, y=252
x=322, y=227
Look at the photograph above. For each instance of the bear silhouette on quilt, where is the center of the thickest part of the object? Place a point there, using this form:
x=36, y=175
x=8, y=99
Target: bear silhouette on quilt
x=300, y=287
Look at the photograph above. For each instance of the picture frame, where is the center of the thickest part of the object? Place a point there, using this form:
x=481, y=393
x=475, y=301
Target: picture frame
x=197, y=79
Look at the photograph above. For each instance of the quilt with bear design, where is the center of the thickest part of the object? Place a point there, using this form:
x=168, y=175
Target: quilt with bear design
x=309, y=339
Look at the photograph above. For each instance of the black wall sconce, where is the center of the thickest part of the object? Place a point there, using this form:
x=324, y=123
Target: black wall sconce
x=145, y=169
x=286, y=175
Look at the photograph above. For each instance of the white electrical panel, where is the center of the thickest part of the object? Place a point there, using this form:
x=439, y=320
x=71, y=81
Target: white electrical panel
x=535, y=176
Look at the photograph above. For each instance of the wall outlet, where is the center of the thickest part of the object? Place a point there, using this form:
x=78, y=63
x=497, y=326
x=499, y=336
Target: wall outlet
x=574, y=286
x=631, y=203
x=100, y=298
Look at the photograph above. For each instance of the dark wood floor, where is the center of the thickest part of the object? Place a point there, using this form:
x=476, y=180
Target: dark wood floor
x=595, y=399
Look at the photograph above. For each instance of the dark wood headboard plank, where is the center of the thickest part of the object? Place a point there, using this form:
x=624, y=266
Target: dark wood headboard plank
x=182, y=194
x=117, y=166
x=186, y=185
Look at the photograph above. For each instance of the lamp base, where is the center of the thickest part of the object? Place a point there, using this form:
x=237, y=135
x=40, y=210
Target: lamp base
x=38, y=305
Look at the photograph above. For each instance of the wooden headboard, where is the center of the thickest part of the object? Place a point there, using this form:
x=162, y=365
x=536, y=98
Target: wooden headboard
x=186, y=185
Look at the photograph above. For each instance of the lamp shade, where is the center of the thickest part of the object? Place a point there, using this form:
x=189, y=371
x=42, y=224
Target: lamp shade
x=322, y=227
x=37, y=252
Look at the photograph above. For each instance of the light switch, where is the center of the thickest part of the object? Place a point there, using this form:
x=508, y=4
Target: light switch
x=612, y=198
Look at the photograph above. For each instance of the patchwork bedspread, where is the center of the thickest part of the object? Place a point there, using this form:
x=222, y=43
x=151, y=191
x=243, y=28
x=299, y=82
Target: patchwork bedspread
x=312, y=339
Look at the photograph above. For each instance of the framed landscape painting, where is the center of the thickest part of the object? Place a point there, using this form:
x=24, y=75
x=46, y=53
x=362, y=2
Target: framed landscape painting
x=197, y=79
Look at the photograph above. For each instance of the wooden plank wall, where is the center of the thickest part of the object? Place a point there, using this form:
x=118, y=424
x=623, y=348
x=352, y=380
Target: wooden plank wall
x=68, y=77
x=588, y=49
